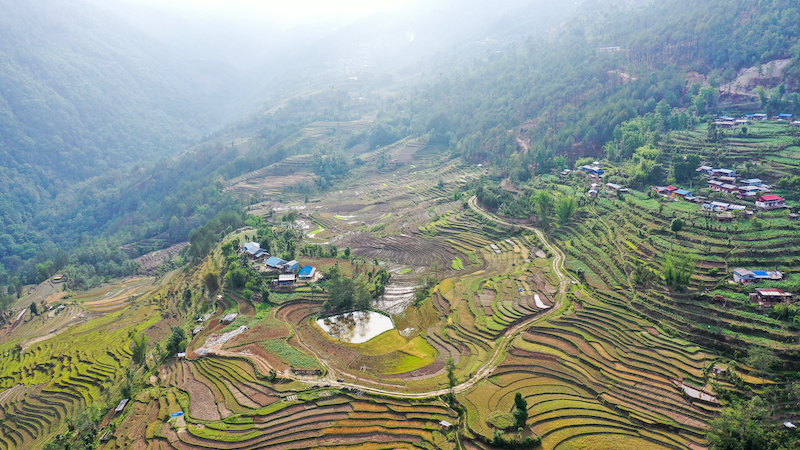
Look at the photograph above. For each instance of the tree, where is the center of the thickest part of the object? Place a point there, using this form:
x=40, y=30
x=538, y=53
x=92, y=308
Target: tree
x=643, y=276
x=677, y=271
x=139, y=349
x=452, y=380
x=761, y=359
x=544, y=205
x=341, y=289
x=176, y=342
x=34, y=309
x=211, y=281
x=676, y=226
x=520, y=410
x=740, y=427
x=565, y=208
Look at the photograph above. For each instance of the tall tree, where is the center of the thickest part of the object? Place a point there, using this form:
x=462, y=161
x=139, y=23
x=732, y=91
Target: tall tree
x=520, y=410
x=565, y=208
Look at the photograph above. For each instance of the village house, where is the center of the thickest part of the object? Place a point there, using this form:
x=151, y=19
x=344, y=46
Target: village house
x=729, y=188
x=593, y=170
x=682, y=193
x=253, y=250
x=784, y=117
x=705, y=170
x=714, y=184
x=744, y=276
x=274, y=263
x=307, y=273
x=286, y=279
x=753, y=182
x=723, y=173
x=290, y=267
x=770, y=297
x=770, y=201
x=749, y=191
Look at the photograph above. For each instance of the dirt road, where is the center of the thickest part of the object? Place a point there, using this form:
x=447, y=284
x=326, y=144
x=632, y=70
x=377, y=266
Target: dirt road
x=500, y=347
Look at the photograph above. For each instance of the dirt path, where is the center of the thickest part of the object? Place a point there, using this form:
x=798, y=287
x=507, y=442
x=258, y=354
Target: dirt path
x=488, y=367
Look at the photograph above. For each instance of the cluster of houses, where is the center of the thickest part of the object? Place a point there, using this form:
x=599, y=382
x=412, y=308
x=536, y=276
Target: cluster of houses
x=731, y=122
x=612, y=187
x=725, y=180
x=290, y=272
x=594, y=170
x=763, y=297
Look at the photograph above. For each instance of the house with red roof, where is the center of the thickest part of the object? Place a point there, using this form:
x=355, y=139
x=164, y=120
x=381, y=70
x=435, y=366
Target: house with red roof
x=770, y=201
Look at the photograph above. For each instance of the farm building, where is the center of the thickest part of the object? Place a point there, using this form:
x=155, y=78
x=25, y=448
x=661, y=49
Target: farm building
x=307, y=272
x=290, y=267
x=745, y=276
x=253, y=250
x=197, y=330
x=770, y=202
x=286, y=279
x=445, y=424
x=121, y=405
x=592, y=193
x=593, y=170
x=705, y=170
x=230, y=318
x=683, y=193
x=768, y=297
x=794, y=216
x=723, y=173
x=749, y=191
x=753, y=182
x=785, y=116
x=274, y=263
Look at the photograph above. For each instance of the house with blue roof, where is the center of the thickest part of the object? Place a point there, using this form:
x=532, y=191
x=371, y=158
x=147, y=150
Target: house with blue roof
x=274, y=262
x=290, y=267
x=307, y=273
x=744, y=276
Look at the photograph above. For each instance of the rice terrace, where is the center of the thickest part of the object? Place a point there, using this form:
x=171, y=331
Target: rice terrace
x=477, y=311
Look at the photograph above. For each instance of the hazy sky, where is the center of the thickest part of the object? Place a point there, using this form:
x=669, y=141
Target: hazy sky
x=285, y=12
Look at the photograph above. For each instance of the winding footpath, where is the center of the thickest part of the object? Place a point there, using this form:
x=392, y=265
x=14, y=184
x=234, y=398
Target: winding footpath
x=500, y=345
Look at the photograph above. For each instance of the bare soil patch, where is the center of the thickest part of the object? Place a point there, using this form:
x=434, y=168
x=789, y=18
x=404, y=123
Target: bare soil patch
x=202, y=404
x=408, y=249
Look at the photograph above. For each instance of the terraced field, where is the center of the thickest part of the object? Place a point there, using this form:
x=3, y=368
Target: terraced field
x=602, y=362
x=53, y=379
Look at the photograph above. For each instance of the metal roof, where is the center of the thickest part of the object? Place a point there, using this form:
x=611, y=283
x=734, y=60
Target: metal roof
x=773, y=293
x=274, y=261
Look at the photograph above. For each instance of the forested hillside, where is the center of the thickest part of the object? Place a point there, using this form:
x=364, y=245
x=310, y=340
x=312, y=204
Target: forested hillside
x=567, y=92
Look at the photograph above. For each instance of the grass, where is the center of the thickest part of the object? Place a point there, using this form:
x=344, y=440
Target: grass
x=501, y=420
x=290, y=355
